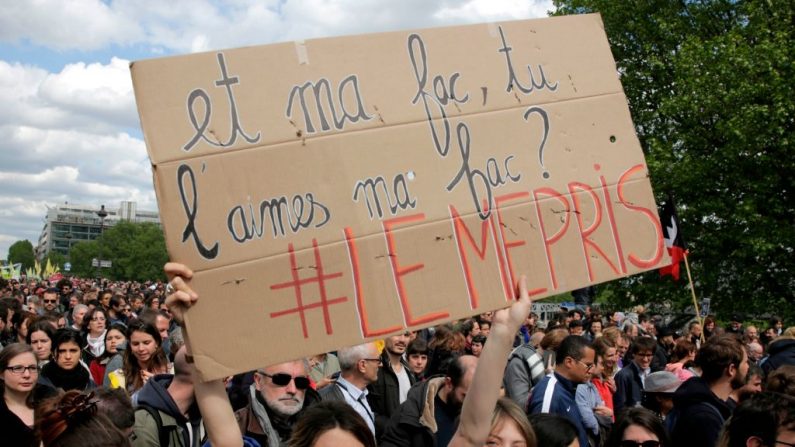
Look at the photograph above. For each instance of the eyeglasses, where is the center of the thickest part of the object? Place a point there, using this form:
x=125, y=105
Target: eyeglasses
x=629, y=443
x=588, y=367
x=19, y=369
x=788, y=444
x=98, y=319
x=373, y=360
x=282, y=379
x=50, y=301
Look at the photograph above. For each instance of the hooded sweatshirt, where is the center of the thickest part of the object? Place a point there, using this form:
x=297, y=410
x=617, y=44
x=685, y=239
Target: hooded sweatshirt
x=698, y=415
x=155, y=394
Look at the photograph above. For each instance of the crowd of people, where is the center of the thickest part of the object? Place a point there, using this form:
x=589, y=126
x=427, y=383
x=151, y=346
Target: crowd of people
x=88, y=363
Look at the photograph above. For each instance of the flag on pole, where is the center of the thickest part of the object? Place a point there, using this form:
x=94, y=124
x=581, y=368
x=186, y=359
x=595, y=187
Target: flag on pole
x=672, y=234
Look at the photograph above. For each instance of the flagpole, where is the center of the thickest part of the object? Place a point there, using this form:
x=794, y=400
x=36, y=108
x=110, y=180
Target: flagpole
x=693, y=293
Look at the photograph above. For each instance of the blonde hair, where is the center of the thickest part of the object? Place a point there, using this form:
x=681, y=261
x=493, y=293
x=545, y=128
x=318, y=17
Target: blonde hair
x=506, y=409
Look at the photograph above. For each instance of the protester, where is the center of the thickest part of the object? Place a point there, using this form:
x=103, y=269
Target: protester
x=658, y=394
x=604, y=382
x=114, y=338
x=752, y=385
x=556, y=392
x=40, y=334
x=594, y=412
x=781, y=351
x=66, y=371
x=165, y=413
x=683, y=357
x=94, y=328
x=277, y=399
x=553, y=430
x=394, y=379
x=117, y=407
x=417, y=356
x=331, y=423
x=639, y=427
x=782, y=380
x=766, y=419
x=19, y=375
x=700, y=407
x=360, y=365
x=630, y=380
x=144, y=357
x=524, y=370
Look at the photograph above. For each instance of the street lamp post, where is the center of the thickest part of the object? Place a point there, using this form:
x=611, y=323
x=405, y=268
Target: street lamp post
x=102, y=214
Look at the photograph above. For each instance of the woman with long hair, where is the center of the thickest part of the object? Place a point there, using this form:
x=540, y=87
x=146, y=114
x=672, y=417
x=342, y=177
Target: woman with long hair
x=40, y=334
x=115, y=338
x=144, y=356
x=20, y=372
x=604, y=382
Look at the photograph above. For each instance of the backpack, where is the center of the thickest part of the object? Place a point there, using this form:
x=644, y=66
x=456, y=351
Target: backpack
x=162, y=435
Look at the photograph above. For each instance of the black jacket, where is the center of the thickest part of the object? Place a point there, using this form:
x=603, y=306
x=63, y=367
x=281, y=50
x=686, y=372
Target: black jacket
x=384, y=394
x=780, y=352
x=414, y=423
x=629, y=388
x=698, y=415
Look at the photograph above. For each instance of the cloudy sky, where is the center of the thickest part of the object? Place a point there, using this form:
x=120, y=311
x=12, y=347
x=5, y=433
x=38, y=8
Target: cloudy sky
x=69, y=130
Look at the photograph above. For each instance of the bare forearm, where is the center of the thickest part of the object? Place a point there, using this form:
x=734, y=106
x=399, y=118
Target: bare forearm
x=219, y=419
x=485, y=389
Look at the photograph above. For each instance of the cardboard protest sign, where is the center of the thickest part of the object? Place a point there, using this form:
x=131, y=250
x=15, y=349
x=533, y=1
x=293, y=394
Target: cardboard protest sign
x=339, y=190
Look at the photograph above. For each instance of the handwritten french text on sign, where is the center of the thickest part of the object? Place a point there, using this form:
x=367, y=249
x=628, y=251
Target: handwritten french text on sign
x=334, y=191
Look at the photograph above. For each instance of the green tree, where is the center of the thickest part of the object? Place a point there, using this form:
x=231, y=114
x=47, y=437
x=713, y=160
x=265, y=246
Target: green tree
x=710, y=88
x=22, y=252
x=80, y=255
x=137, y=251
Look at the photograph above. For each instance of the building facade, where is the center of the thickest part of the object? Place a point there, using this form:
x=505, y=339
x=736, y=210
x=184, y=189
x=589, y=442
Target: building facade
x=68, y=224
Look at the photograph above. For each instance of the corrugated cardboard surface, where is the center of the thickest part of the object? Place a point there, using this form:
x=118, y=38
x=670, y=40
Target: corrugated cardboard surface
x=283, y=226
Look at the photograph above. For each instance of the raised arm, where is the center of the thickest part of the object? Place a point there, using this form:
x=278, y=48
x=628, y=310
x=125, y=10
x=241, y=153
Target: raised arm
x=219, y=419
x=475, y=424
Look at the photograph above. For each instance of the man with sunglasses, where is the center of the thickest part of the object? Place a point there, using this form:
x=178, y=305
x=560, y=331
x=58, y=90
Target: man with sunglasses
x=50, y=301
x=277, y=399
x=555, y=393
x=359, y=368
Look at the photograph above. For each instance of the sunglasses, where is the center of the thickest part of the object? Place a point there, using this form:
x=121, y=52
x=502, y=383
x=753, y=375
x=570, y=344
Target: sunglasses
x=49, y=301
x=282, y=379
x=628, y=443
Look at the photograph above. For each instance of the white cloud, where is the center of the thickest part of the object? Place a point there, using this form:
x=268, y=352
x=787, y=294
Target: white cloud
x=70, y=135
x=65, y=24
x=200, y=25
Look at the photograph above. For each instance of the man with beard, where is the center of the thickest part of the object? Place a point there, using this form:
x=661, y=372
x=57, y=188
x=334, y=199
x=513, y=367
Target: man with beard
x=393, y=383
x=277, y=398
x=429, y=416
x=700, y=407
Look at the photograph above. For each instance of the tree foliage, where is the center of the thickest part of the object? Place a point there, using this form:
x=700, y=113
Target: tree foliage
x=710, y=88
x=22, y=252
x=137, y=251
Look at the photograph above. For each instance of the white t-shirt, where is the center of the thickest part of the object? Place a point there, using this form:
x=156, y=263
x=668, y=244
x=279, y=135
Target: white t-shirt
x=404, y=383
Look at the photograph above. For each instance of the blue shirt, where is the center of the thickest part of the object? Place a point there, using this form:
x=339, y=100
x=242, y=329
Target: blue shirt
x=555, y=395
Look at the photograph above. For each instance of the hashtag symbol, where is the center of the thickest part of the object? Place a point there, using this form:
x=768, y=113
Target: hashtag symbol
x=297, y=283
